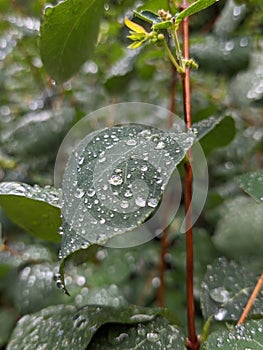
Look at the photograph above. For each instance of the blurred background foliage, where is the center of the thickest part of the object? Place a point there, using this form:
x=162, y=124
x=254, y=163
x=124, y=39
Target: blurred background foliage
x=36, y=114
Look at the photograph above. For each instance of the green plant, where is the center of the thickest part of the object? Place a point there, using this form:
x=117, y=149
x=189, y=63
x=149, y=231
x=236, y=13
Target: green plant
x=113, y=293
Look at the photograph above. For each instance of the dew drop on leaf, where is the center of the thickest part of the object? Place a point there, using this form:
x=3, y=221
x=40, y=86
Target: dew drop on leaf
x=220, y=295
x=220, y=315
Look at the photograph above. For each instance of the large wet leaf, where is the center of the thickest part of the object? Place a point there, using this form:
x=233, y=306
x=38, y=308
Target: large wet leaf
x=247, y=336
x=115, y=180
x=66, y=327
x=69, y=33
x=240, y=235
x=252, y=183
x=35, y=209
x=226, y=289
x=155, y=335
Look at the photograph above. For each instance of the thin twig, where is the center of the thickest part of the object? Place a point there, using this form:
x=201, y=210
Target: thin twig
x=251, y=300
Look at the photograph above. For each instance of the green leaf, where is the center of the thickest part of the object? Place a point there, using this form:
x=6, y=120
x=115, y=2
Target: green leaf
x=35, y=209
x=155, y=335
x=252, y=183
x=68, y=35
x=222, y=56
x=226, y=289
x=66, y=327
x=215, y=132
x=197, y=6
x=38, y=133
x=153, y=6
x=148, y=16
x=163, y=25
x=7, y=322
x=245, y=336
x=114, y=181
x=240, y=235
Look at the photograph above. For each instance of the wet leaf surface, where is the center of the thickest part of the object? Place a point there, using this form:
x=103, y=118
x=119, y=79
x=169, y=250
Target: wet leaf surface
x=226, y=289
x=35, y=209
x=252, y=183
x=248, y=336
x=66, y=327
x=157, y=334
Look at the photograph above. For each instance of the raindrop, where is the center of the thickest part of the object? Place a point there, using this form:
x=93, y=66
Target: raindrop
x=141, y=318
x=79, y=193
x=102, y=221
x=152, y=337
x=115, y=180
x=221, y=314
x=144, y=167
x=131, y=142
x=80, y=160
x=91, y=192
x=220, y=295
x=152, y=202
x=160, y=145
x=229, y=45
x=124, y=204
x=140, y=202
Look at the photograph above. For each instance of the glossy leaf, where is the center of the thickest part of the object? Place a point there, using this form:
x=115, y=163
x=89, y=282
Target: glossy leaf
x=68, y=35
x=252, y=183
x=38, y=133
x=245, y=336
x=63, y=327
x=134, y=26
x=197, y=6
x=35, y=209
x=155, y=335
x=221, y=55
x=215, y=133
x=240, y=235
x=226, y=289
x=148, y=16
x=114, y=181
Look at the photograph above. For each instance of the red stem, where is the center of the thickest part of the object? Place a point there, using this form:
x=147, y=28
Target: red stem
x=193, y=343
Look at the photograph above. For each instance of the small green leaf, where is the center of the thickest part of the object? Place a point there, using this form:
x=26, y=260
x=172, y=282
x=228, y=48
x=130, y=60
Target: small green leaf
x=252, y=183
x=68, y=35
x=245, y=336
x=66, y=327
x=226, y=289
x=162, y=25
x=134, y=26
x=148, y=16
x=197, y=6
x=35, y=209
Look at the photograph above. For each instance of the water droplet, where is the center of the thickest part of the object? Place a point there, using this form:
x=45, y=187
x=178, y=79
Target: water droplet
x=160, y=145
x=115, y=180
x=141, y=318
x=91, y=192
x=131, y=142
x=144, y=167
x=221, y=314
x=79, y=193
x=102, y=221
x=124, y=204
x=140, y=202
x=153, y=337
x=152, y=202
x=220, y=295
